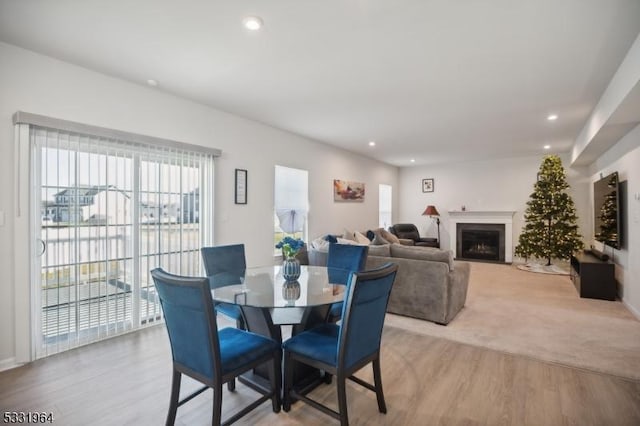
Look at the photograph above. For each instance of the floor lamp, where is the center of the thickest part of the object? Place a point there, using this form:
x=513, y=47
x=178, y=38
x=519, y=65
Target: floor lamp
x=431, y=211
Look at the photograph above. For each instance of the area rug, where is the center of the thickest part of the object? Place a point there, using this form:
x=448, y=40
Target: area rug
x=540, y=316
x=562, y=269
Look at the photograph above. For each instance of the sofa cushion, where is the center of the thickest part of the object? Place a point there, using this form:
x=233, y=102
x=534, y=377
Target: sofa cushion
x=389, y=236
x=318, y=258
x=423, y=253
x=383, y=250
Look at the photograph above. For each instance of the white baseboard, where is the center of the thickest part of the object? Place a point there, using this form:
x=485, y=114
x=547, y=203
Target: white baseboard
x=631, y=309
x=7, y=364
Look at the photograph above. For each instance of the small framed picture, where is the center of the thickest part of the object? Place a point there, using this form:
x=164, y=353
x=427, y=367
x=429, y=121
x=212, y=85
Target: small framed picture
x=427, y=185
x=241, y=186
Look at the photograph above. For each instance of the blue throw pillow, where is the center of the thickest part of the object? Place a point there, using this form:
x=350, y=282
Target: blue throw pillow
x=330, y=238
x=370, y=235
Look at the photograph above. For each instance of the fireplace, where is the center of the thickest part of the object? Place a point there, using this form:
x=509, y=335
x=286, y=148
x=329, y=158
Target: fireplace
x=480, y=241
x=500, y=221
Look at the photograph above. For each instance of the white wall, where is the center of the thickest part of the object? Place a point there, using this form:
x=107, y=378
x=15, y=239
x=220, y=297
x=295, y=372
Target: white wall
x=622, y=83
x=34, y=83
x=624, y=158
x=503, y=184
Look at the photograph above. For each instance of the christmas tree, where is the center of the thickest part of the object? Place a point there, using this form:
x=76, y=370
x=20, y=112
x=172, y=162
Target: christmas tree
x=609, y=215
x=550, y=229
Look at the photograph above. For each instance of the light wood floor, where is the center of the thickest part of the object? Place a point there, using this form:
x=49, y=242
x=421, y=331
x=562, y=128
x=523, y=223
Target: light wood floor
x=427, y=381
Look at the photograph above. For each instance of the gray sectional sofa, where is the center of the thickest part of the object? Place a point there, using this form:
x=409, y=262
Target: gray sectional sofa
x=430, y=285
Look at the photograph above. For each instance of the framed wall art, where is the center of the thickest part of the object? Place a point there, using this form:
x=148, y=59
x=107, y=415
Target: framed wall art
x=427, y=185
x=344, y=190
x=241, y=186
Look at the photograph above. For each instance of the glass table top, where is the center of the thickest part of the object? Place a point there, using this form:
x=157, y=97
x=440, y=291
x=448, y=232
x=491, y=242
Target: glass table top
x=264, y=287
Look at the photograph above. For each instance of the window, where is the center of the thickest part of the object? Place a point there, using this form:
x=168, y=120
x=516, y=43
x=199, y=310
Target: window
x=291, y=193
x=131, y=207
x=384, y=206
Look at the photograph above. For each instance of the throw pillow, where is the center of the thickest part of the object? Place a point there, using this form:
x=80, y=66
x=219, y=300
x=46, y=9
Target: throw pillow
x=361, y=239
x=389, y=236
x=320, y=244
x=348, y=235
x=331, y=238
x=378, y=240
x=370, y=235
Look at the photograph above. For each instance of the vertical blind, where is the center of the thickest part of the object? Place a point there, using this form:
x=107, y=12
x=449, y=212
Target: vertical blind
x=105, y=212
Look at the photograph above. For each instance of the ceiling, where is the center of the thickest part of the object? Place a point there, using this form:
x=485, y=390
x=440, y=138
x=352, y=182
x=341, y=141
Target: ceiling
x=433, y=80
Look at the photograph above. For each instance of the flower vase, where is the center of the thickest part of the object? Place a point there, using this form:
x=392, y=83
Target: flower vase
x=291, y=292
x=291, y=269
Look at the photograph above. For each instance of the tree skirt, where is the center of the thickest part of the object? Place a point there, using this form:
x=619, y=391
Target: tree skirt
x=544, y=269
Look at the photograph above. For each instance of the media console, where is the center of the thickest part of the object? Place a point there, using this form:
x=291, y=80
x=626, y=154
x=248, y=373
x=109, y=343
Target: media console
x=592, y=277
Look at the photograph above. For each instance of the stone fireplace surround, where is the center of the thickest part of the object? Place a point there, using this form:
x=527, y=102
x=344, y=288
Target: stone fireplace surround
x=483, y=217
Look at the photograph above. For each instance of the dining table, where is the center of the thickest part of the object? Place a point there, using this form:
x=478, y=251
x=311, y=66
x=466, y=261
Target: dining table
x=268, y=302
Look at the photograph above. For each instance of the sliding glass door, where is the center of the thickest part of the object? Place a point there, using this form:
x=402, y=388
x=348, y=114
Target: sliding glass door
x=105, y=213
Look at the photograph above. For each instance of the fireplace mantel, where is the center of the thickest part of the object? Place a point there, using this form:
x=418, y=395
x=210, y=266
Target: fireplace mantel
x=482, y=216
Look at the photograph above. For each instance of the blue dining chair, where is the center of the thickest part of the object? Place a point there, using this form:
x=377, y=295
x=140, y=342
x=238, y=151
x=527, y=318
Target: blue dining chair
x=206, y=354
x=343, y=349
x=226, y=259
x=346, y=258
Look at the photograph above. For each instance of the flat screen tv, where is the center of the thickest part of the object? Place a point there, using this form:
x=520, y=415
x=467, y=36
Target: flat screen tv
x=606, y=203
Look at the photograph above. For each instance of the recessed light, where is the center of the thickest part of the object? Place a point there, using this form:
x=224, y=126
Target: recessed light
x=413, y=160
x=152, y=83
x=552, y=117
x=547, y=147
x=372, y=143
x=252, y=23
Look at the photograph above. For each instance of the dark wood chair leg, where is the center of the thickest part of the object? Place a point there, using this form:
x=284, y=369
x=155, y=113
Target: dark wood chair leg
x=275, y=377
x=342, y=399
x=175, y=396
x=216, y=415
x=377, y=378
x=231, y=385
x=288, y=382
